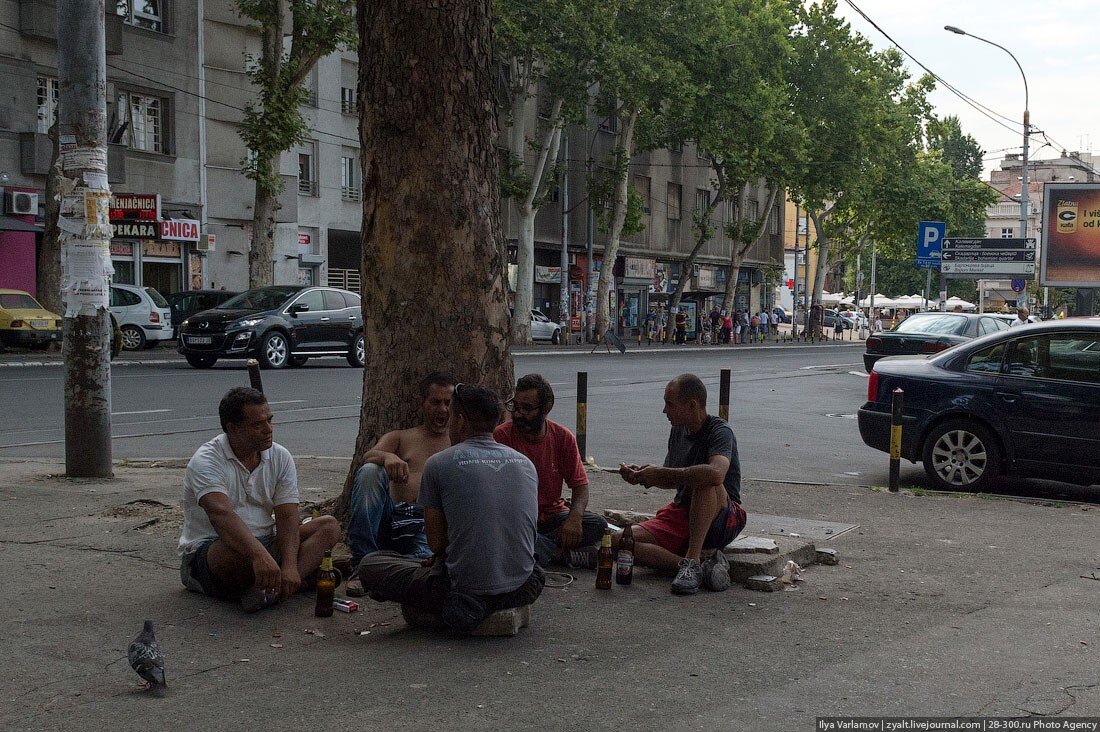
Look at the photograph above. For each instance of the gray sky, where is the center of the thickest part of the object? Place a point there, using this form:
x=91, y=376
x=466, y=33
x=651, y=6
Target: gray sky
x=1054, y=41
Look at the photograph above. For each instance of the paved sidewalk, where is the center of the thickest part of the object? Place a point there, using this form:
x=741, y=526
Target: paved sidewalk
x=941, y=605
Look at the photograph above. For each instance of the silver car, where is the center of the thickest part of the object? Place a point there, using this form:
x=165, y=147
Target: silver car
x=544, y=329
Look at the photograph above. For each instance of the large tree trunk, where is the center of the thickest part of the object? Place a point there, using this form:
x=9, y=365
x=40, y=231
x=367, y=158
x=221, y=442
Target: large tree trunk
x=822, y=257
x=49, y=255
x=703, y=234
x=742, y=241
x=434, y=294
x=618, y=218
x=261, y=255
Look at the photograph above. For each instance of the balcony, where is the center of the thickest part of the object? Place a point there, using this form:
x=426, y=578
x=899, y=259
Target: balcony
x=307, y=187
x=38, y=19
x=351, y=193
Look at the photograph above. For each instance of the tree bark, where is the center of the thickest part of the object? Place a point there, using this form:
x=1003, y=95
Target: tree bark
x=618, y=218
x=434, y=291
x=705, y=233
x=822, y=256
x=49, y=255
x=261, y=255
x=740, y=244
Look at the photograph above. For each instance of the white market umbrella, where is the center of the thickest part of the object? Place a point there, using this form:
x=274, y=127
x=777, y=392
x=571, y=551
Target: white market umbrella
x=881, y=301
x=831, y=298
x=955, y=301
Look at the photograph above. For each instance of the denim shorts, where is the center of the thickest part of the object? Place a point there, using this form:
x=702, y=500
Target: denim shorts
x=195, y=571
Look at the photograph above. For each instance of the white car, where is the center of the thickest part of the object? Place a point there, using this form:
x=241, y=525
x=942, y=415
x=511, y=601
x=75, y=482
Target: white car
x=544, y=329
x=143, y=316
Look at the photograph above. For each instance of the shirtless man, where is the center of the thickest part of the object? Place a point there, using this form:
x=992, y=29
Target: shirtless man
x=383, y=511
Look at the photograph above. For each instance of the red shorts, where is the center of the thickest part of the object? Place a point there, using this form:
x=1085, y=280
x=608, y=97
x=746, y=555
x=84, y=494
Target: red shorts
x=669, y=528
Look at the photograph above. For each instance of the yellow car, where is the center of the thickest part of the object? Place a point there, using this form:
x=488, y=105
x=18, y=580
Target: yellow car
x=25, y=323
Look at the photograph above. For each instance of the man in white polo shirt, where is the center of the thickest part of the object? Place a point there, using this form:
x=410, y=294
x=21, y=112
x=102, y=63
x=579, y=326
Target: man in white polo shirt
x=242, y=539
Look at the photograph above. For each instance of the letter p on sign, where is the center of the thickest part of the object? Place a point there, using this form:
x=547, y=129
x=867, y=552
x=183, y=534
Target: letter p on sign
x=930, y=236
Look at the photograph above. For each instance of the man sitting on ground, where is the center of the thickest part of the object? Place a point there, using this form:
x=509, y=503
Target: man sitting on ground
x=553, y=450
x=687, y=536
x=480, y=502
x=231, y=547
x=383, y=511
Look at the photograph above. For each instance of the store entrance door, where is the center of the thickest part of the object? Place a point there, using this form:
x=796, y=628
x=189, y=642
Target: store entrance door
x=164, y=277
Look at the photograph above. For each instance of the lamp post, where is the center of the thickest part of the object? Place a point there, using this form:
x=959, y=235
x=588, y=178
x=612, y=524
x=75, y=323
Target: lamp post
x=1027, y=126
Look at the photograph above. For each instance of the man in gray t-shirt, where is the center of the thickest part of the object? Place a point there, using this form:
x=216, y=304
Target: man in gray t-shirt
x=480, y=502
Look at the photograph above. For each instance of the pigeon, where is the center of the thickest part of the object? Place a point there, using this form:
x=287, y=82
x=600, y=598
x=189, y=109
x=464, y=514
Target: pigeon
x=146, y=658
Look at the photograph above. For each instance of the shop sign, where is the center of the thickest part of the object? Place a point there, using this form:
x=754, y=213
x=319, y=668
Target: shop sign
x=706, y=279
x=136, y=229
x=638, y=268
x=161, y=249
x=135, y=206
x=548, y=275
x=179, y=230
x=305, y=243
x=122, y=249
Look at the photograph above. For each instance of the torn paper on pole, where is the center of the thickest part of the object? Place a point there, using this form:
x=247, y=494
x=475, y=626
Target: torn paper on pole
x=85, y=235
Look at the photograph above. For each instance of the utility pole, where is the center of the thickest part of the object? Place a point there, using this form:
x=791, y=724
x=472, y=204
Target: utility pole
x=566, y=322
x=85, y=229
x=794, y=297
x=590, y=236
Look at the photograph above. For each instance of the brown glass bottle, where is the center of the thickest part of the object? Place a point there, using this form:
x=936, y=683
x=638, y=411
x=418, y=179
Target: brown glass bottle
x=326, y=587
x=605, y=562
x=624, y=559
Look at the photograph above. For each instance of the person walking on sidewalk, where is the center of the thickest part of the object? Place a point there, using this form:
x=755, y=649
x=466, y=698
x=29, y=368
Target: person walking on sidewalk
x=681, y=326
x=715, y=324
x=552, y=449
x=764, y=329
x=231, y=547
x=727, y=327
x=687, y=536
x=480, y=503
x=384, y=512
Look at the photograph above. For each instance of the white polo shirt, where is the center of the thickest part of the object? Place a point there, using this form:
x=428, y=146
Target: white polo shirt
x=215, y=469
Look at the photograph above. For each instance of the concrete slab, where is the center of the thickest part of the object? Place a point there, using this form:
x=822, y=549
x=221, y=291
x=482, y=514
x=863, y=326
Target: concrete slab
x=744, y=566
x=752, y=545
x=814, y=530
x=505, y=622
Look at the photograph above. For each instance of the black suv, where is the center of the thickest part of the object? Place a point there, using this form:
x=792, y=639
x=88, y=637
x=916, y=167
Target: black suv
x=186, y=303
x=281, y=325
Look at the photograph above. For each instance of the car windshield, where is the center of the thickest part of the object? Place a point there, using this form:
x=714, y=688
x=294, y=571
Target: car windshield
x=938, y=324
x=13, y=300
x=158, y=299
x=264, y=298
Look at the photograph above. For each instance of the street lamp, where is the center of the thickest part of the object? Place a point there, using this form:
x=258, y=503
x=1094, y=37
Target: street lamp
x=1027, y=124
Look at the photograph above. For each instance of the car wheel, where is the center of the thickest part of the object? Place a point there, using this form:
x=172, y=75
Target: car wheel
x=201, y=362
x=274, y=351
x=961, y=454
x=132, y=338
x=556, y=338
x=357, y=354
x=298, y=361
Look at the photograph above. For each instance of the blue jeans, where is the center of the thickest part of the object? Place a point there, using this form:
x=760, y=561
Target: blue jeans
x=546, y=540
x=375, y=522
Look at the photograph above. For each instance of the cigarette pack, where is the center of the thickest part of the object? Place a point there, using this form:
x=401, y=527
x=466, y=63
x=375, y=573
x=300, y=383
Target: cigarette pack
x=345, y=606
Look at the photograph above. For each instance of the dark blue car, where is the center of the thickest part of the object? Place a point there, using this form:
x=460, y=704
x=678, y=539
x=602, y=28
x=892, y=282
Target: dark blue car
x=1023, y=401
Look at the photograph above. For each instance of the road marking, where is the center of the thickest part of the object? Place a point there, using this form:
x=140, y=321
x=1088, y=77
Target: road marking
x=824, y=366
x=860, y=374
x=144, y=411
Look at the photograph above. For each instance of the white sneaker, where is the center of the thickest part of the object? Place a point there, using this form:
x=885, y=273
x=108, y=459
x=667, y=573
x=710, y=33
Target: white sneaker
x=716, y=572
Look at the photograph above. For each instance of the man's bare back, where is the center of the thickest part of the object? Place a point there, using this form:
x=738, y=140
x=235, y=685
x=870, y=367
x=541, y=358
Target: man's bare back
x=412, y=447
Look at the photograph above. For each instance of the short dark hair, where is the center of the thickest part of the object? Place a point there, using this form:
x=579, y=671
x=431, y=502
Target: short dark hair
x=478, y=405
x=690, y=386
x=231, y=408
x=435, y=378
x=540, y=385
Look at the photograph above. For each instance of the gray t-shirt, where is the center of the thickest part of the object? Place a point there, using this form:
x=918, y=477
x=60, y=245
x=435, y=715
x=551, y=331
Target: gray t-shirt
x=489, y=494
x=715, y=438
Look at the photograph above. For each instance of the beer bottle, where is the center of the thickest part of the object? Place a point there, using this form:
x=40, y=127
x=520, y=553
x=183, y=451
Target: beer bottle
x=605, y=561
x=624, y=560
x=326, y=587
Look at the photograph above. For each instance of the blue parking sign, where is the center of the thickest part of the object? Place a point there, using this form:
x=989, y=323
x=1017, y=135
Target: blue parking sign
x=930, y=236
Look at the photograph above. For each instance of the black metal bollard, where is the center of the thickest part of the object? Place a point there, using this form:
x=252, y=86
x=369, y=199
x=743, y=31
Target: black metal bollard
x=254, y=375
x=724, y=395
x=896, y=401
x=582, y=414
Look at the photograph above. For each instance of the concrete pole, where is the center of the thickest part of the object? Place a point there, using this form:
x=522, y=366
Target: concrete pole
x=85, y=237
x=566, y=323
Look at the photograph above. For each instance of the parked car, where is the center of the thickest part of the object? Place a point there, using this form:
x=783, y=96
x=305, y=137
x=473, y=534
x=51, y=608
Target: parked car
x=782, y=315
x=932, y=332
x=829, y=317
x=25, y=323
x=544, y=329
x=1023, y=401
x=143, y=316
x=188, y=302
x=280, y=326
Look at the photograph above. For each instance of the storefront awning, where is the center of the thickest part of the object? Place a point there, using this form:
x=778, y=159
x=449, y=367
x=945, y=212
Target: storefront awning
x=7, y=223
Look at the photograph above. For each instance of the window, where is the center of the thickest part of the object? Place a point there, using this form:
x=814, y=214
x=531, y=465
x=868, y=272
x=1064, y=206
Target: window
x=144, y=119
x=731, y=210
x=1065, y=357
x=347, y=100
x=773, y=226
x=307, y=170
x=642, y=186
x=987, y=360
x=147, y=14
x=702, y=200
x=349, y=178
x=754, y=210
x=313, y=299
x=335, y=300
x=48, y=94
x=123, y=298
x=677, y=148
x=1007, y=233
x=672, y=196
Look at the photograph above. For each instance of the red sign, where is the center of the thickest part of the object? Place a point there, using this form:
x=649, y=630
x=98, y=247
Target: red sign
x=790, y=284
x=179, y=230
x=122, y=249
x=135, y=206
x=304, y=240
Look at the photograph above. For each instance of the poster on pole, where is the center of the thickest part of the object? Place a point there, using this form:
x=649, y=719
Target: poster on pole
x=1071, y=235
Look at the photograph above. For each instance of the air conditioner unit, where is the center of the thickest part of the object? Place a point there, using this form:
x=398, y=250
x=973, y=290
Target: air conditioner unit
x=21, y=204
x=206, y=243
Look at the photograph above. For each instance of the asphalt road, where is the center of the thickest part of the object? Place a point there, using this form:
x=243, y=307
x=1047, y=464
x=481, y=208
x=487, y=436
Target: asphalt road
x=792, y=408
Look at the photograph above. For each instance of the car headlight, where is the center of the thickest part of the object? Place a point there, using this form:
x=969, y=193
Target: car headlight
x=184, y=323
x=248, y=323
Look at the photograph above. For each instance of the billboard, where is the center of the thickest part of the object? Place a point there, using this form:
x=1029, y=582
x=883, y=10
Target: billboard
x=1071, y=235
